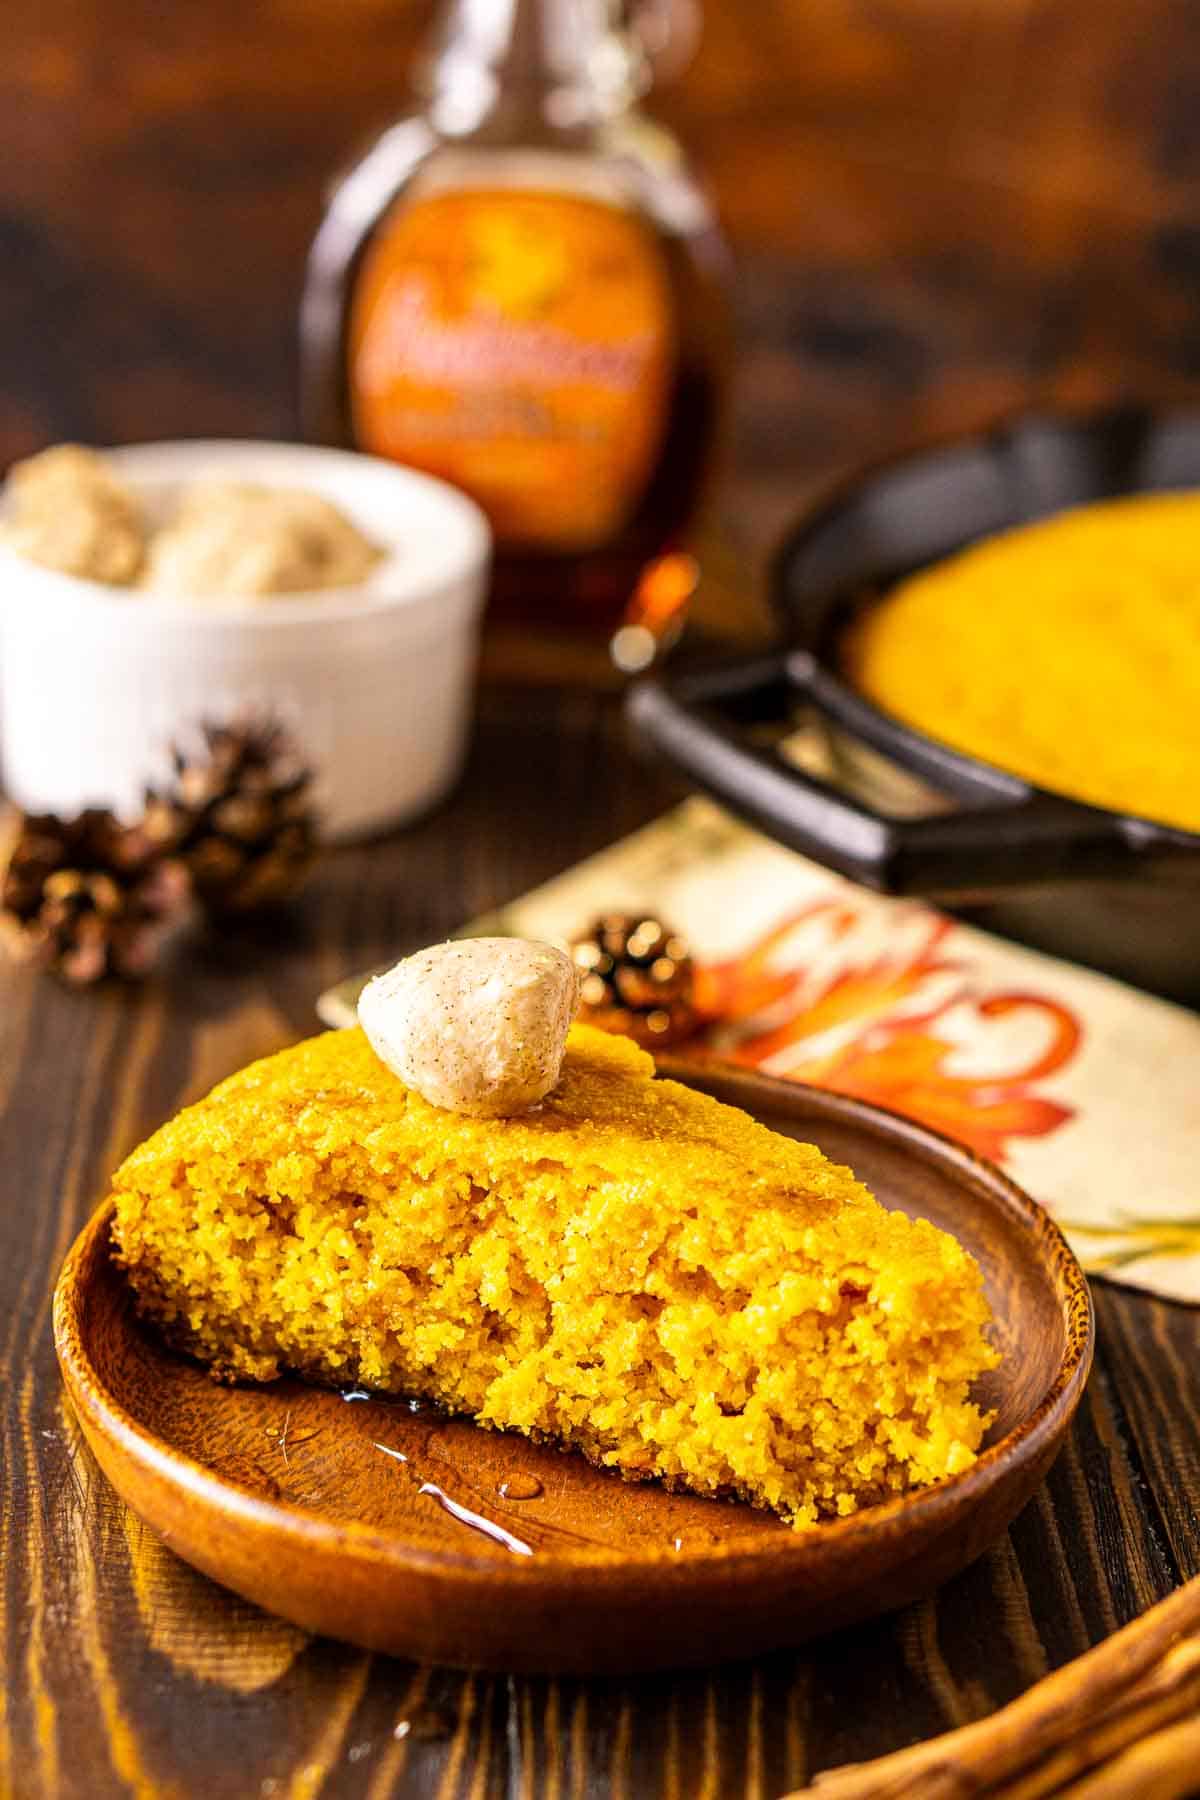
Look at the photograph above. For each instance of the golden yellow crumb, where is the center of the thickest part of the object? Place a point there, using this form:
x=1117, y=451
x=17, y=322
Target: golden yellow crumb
x=1067, y=651
x=632, y=1269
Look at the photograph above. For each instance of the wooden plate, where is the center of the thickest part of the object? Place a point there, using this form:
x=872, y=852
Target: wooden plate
x=383, y=1523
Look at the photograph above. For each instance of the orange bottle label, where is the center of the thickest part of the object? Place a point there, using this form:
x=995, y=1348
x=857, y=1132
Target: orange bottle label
x=520, y=344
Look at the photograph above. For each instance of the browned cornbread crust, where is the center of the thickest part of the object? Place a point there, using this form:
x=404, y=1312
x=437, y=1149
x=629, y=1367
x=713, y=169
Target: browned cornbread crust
x=633, y=1269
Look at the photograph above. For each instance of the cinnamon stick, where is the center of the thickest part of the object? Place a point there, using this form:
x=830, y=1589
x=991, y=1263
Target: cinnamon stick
x=1164, y=1694
x=981, y=1758
x=1163, y=1767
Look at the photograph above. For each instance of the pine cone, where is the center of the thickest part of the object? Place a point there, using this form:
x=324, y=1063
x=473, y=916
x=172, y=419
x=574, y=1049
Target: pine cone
x=638, y=978
x=238, y=817
x=88, y=897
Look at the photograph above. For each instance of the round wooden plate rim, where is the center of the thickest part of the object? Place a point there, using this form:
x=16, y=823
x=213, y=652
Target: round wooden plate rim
x=101, y=1414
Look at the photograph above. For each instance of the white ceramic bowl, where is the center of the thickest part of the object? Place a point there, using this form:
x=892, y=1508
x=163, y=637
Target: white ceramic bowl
x=375, y=680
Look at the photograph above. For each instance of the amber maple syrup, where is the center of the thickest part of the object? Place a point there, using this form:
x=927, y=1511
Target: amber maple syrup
x=522, y=289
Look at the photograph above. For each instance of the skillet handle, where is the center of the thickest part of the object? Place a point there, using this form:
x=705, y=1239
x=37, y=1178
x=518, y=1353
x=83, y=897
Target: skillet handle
x=698, y=719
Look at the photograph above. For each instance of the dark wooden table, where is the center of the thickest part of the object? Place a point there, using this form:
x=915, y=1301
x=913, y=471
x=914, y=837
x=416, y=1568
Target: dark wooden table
x=123, y=1673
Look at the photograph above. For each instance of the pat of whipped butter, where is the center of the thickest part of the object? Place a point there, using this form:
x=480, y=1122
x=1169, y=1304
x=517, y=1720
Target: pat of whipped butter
x=239, y=540
x=223, y=541
x=66, y=510
x=478, y=1025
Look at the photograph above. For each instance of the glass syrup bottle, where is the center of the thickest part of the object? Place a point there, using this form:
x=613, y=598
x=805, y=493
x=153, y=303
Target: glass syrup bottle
x=521, y=288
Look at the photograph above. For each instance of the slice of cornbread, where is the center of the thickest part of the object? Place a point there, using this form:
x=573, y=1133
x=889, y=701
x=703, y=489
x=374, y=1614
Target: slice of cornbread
x=633, y=1269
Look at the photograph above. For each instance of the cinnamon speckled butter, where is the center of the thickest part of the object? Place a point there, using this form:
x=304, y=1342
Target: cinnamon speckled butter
x=477, y=1026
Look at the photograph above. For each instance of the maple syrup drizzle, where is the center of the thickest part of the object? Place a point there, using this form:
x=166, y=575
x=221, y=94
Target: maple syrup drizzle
x=520, y=1487
x=476, y=1521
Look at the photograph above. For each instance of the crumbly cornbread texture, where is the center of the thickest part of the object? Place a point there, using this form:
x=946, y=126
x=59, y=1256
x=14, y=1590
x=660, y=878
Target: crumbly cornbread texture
x=633, y=1269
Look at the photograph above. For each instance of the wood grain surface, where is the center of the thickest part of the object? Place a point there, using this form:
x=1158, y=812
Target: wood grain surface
x=124, y=1674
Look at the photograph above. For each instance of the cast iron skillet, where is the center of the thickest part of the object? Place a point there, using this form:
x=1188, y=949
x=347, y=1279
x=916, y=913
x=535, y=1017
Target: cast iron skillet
x=1118, y=892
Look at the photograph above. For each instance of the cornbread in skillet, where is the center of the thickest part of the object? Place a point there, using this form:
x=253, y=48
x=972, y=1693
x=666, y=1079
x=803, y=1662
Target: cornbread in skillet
x=633, y=1269
x=1066, y=651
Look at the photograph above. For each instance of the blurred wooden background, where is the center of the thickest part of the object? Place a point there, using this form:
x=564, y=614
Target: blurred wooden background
x=942, y=208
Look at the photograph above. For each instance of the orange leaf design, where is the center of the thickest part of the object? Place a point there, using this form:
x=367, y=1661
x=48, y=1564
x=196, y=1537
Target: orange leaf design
x=871, y=1029
x=907, y=1075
